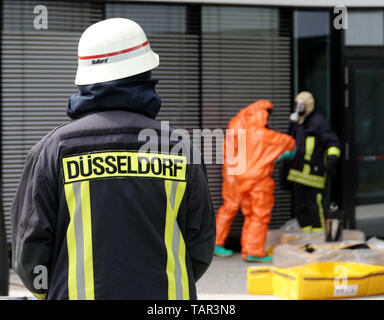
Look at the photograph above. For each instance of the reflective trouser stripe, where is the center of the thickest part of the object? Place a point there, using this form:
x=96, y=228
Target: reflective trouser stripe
x=178, y=285
x=79, y=242
x=319, y=201
x=309, y=147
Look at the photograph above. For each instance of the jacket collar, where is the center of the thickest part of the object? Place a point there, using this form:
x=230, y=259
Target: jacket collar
x=136, y=94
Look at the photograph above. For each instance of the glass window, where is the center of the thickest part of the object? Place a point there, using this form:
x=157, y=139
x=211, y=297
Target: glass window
x=240, y=21
x=365, y=28
x=170, y=19
x=312, y=56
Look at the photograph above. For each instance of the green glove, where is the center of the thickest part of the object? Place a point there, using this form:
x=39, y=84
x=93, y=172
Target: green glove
x=287, y=155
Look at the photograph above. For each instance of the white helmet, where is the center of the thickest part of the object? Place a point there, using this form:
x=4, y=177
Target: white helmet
x=113, y=49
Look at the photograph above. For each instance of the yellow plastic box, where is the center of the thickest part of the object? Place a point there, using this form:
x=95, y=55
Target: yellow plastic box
x=325, y=280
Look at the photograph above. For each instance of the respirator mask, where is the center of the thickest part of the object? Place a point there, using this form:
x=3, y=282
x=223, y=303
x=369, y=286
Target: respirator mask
x=299, y=111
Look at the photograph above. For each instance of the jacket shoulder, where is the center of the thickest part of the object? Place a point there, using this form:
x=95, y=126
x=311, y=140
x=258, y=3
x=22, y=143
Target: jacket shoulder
x=107, y=121
x=47, y=139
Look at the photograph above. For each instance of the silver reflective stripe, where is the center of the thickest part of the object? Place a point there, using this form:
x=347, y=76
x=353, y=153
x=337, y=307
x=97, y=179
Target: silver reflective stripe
x=78, y=226
x=172, y=196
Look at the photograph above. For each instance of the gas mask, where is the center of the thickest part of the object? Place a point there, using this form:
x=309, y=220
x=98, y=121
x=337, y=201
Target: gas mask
x=299, y=111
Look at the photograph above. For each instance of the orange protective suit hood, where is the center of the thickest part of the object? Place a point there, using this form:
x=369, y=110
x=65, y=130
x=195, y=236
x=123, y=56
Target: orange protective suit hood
x=262, y=145
x=256, y=114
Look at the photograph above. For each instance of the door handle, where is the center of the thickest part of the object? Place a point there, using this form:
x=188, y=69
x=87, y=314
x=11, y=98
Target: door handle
x=346, y=151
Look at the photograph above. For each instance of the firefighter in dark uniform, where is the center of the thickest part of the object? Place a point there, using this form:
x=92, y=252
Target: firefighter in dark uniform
x=314, y=159
x=106, y=208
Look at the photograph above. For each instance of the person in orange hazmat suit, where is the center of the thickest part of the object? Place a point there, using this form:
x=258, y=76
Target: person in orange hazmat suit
x=251, y=190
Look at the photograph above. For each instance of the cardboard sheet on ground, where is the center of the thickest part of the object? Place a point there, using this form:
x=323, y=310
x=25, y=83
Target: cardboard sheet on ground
x=290, y=233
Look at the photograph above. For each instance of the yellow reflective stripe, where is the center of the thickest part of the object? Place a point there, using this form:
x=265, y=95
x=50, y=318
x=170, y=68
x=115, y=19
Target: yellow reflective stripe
x=184, y=273
x=87, y=232
x=71, y=242
x=178, y=285
x=40, y=296
x=305, y=181
x=309, y=147
x=333, y=151
x=307, y=170
x=79, y=242
x=307, y=229
x=304, y=177
x=317, y=229
x=319, y=198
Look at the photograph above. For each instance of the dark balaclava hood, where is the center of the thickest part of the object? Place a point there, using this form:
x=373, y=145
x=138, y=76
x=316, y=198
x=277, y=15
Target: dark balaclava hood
x=136, y=94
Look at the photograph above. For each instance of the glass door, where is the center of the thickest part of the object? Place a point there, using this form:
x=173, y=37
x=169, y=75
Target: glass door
x=366, y=103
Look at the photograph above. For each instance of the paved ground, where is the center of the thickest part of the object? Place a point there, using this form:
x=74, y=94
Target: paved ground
x=226, y=279
x=16, y=287
x=225, y=275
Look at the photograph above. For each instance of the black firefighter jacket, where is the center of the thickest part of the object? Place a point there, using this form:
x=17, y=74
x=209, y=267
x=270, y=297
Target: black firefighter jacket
x=108, y=222
x=317, y=146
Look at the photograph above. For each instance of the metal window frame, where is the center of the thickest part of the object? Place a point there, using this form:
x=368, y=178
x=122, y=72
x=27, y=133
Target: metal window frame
x=272, y=3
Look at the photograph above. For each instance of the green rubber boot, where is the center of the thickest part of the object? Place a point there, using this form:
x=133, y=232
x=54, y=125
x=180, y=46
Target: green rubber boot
x=258, y=259
x=222, y=252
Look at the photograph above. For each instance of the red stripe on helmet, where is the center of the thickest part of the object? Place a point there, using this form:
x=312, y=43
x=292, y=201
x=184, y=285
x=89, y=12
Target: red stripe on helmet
x=114, y=53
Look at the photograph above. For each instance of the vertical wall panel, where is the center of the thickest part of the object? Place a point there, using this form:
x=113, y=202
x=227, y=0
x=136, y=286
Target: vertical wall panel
x=38, y=70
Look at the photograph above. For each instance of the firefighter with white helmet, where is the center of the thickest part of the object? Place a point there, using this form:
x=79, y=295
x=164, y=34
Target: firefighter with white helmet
x=107, y=220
